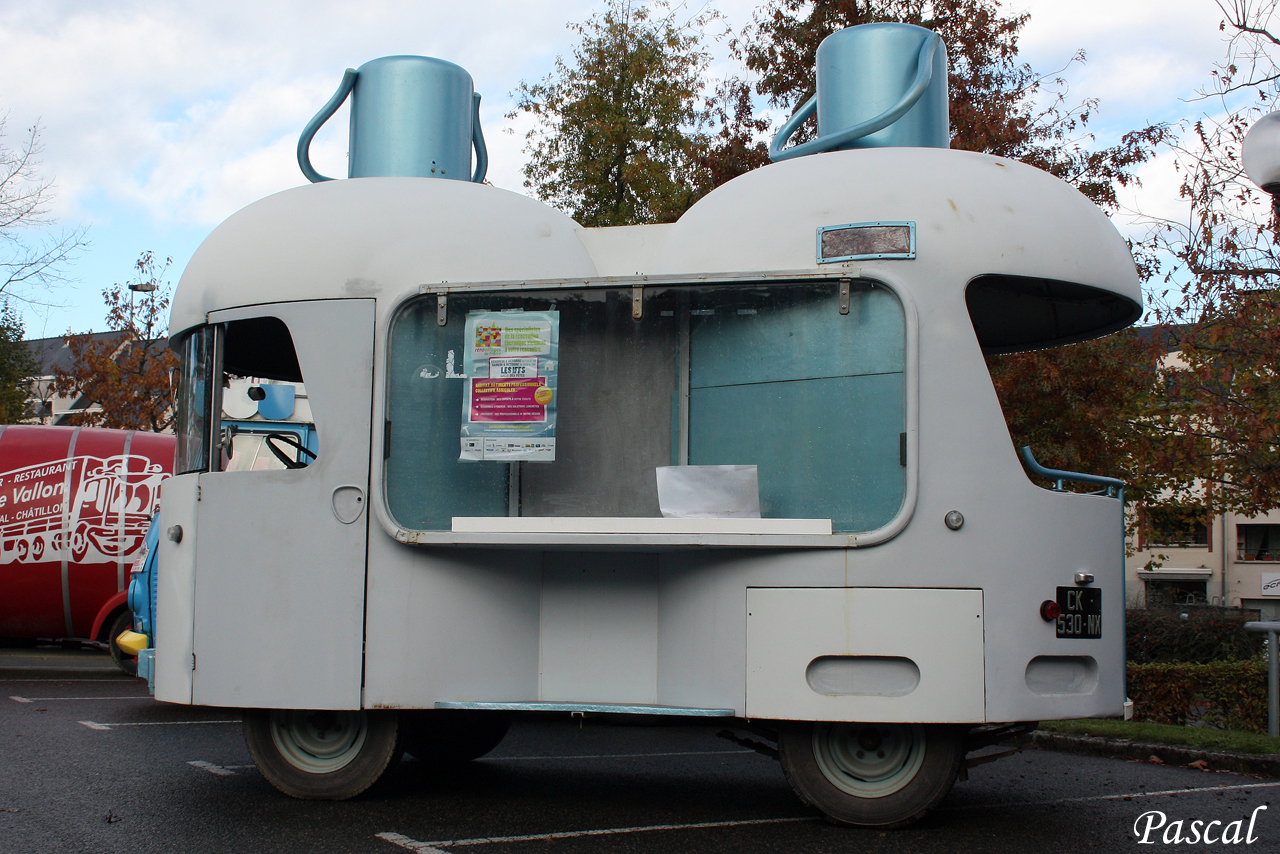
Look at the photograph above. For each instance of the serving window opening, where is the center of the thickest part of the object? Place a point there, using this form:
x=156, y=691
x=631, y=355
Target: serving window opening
x=564, y=403
x=266, y=422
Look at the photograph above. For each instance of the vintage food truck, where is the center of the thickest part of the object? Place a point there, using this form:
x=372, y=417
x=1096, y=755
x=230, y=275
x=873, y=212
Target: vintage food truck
x=75, y=503
x=746, y=468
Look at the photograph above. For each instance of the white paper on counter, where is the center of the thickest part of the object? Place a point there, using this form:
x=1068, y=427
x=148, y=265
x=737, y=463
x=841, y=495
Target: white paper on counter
x=709, y=492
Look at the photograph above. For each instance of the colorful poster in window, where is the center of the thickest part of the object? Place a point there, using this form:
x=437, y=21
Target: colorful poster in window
x=509, y=407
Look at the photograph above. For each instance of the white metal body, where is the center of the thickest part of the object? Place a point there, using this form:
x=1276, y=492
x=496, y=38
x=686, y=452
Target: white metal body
x=726, y=616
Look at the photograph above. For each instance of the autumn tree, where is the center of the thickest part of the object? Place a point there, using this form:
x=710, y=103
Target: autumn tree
x=999, y=105
x=29, y=264
x=1084, y=407
x=616, y=125
x=16, y=367
x=1220, y=313
x=127, y=373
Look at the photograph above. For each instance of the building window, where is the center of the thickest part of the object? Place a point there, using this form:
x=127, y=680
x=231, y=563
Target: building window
x=1163, y=592
x=1177, y=526
x=1258, y=542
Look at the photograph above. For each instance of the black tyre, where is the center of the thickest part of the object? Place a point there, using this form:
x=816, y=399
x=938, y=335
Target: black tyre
x=452, y=735
x=123, y=622
x=871, y=775
x=321, y=755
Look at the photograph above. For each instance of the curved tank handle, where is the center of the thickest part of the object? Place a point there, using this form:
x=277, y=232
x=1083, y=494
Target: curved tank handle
x=304, y=142
x=477, y=139
x=924, y=74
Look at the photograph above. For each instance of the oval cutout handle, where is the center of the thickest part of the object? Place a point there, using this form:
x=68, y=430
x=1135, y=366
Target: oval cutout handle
x=331, y=107
x=477, y=140
x=348, y=503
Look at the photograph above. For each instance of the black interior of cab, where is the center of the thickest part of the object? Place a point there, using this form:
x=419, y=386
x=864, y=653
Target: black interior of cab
x=261, y=347
x=1012, y=314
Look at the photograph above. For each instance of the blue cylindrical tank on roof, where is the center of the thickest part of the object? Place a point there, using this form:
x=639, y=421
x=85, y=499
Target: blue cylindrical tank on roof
x=864, y=71
x=878, y=86
x=411, y=116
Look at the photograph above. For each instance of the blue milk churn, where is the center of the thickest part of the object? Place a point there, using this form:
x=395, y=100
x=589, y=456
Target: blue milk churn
x=879, y=85
x=411, y=116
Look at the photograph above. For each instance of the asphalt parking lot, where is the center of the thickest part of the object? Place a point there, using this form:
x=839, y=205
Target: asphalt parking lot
x=90, y=763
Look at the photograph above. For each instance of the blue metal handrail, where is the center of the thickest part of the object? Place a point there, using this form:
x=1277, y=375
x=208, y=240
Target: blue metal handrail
x=1114, y=487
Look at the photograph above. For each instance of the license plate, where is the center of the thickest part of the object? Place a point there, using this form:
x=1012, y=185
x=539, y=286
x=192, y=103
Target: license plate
x=1081, y=615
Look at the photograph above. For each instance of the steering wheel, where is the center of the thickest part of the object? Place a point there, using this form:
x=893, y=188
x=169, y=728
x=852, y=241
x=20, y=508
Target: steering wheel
x=293, y=443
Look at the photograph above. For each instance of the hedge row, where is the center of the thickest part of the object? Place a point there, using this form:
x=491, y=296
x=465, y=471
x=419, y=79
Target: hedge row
x=1225, y=694
x=1202, y=636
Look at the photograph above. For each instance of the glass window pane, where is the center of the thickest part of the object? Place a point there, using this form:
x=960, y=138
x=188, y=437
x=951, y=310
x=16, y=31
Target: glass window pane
x=781, y=380
x=192, y=423
x=777, y=378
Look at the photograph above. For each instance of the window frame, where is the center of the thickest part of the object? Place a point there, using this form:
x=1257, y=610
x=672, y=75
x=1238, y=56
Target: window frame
x=209, y=412
x=672, y=533
x=1153, y=538
x=1242, y=542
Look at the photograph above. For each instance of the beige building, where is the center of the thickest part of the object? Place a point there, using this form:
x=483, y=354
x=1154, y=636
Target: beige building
x=1187, y=557
x=1192, y=558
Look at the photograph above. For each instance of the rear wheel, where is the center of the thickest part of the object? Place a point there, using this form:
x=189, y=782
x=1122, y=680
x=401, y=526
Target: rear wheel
x=452, y=735
x=871, y=775
x=321, y=755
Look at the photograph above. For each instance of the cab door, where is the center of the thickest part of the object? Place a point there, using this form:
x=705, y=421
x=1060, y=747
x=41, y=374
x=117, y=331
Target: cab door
x=280, y=560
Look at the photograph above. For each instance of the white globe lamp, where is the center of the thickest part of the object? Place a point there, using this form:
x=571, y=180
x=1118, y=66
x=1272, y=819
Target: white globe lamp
x=1261, y=153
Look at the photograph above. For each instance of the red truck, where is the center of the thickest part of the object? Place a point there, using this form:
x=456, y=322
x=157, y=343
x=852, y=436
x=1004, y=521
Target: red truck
x=75, y=503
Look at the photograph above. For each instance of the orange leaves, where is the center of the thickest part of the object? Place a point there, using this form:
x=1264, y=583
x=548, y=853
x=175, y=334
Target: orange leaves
x=126, y=374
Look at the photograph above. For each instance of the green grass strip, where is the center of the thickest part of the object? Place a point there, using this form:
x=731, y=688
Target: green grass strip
x=1205, y=738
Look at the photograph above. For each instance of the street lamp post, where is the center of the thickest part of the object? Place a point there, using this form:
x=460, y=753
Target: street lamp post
x=136, y=288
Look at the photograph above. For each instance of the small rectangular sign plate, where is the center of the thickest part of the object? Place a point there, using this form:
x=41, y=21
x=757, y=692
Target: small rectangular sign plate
x=1081, y=615
x=866, y=241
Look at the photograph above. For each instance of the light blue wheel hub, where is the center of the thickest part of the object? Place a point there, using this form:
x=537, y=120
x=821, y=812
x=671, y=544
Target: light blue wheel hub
x=319, y=742
x=869, y=760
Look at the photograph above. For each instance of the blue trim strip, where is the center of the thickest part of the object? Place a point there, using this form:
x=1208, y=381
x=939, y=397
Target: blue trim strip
x=613, y=708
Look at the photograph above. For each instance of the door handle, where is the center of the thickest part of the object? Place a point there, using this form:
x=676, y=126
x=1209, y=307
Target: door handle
x=348, y=503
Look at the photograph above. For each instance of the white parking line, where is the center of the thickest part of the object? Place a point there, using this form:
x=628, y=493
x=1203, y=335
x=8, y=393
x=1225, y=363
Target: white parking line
x=123, y=681
x=434, y=847
x=437, y=846
x=220, y=770
x=46, y=699
x=1131, y=796
x=110, y=726
x=617, y=755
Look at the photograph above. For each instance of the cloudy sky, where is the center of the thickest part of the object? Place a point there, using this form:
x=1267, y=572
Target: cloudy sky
x=159, y=119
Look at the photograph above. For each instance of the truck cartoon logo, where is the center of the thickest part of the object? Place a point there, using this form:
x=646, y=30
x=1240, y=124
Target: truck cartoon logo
x=110, y=504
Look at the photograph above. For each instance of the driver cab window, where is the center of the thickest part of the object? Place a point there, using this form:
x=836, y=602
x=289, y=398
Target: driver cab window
x=265, y=418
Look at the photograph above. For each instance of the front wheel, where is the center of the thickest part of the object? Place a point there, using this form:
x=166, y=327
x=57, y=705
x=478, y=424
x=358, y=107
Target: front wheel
x=122, y=623
x=321, y=755
x=871, y=775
